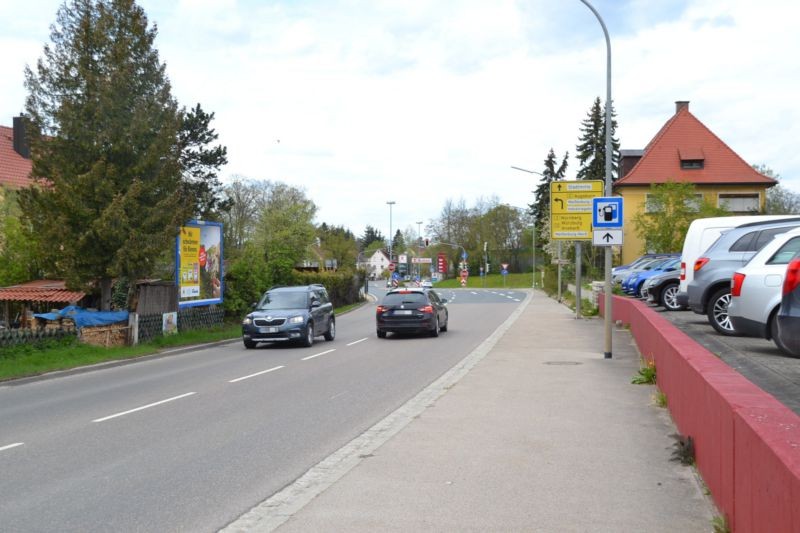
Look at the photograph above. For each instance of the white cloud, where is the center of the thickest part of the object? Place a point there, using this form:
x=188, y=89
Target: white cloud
x=418, y=102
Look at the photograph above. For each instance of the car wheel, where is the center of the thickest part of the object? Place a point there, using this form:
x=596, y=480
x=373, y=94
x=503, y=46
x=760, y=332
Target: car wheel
x=718, y=312
x=309, y=340
x=249, y=344
x=776, y=337
x=444, y=326
x=331, y=333
x=381, y=334
x=669, y=297
x=435, y=330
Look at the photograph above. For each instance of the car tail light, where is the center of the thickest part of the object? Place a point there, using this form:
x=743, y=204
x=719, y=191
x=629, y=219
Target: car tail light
x=736, y=284
x=426, y=309
x=683, y=271
x=381, y=309
x=792, y=279
x=700, y=263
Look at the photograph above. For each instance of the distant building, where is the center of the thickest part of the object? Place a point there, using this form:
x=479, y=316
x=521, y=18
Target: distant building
x=685, y=150
x=15, y=156
x=375, y=265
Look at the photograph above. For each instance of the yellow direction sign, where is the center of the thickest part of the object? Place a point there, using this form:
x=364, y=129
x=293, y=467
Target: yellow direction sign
x=571, y=208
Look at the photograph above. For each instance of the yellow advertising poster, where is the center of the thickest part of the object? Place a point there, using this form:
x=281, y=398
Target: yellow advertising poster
x=190, y=263
x=199, y=268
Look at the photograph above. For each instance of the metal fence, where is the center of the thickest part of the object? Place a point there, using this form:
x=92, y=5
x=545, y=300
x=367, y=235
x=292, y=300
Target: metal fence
x=151, y=326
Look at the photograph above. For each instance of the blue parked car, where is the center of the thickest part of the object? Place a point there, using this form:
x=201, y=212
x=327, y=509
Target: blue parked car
x=633, y=284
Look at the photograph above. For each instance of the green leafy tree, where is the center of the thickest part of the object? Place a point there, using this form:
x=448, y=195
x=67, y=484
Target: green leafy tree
x=246, y=199
x=18, y=259
x=104, y=146
x=671, y=207
x=285, y=231
x=338, y=243
x=591, y=150
x=780, y=200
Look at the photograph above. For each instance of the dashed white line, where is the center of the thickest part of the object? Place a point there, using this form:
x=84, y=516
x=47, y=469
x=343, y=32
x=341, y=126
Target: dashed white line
x=356, y=342
x=317, y=355
x=143, y=407
x=9, y=446
x=473, y=292
x=256, y=374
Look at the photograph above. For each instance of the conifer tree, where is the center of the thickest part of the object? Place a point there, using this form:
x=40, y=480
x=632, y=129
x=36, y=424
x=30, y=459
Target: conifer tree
x=107, y=143
x=591, y=149
x=541, y=204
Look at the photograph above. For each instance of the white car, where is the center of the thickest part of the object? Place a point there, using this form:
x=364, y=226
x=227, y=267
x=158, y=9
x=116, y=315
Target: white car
x=757, y=287
x=426, y=284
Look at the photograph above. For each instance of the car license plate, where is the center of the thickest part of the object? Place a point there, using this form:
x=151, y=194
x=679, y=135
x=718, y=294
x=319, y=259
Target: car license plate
x=268, y=330
x=403, y=312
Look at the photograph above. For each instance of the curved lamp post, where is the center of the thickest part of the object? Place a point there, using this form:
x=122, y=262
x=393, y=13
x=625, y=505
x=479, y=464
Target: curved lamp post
x=608, y=192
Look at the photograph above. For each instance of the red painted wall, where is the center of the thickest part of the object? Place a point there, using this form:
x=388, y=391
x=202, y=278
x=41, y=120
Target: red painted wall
x=747, y=443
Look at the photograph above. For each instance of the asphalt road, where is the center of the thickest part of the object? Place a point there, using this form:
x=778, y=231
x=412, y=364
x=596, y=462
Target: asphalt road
x=759, y=360
x=191, y=441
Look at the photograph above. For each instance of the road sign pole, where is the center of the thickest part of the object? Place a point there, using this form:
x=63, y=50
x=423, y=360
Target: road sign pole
x=578, y=253
x=559, y=271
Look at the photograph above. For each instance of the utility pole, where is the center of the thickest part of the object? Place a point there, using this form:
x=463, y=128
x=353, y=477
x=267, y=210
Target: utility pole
x=390, y=203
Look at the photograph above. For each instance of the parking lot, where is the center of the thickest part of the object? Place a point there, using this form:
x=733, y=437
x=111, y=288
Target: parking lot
x=759, y=360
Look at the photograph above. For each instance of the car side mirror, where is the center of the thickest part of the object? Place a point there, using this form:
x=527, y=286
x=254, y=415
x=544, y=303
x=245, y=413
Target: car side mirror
x=254, y=305
x=315, y=303
x=444, y=300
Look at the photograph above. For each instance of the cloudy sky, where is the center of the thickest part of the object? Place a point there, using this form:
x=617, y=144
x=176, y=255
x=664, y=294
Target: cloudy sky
x=421, y=101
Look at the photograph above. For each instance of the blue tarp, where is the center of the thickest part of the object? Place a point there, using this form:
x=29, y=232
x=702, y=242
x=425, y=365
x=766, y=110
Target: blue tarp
x=83, y=318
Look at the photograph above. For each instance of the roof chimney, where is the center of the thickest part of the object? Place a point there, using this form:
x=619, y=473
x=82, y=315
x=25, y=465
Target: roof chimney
x=21, y=144
x=681, y=104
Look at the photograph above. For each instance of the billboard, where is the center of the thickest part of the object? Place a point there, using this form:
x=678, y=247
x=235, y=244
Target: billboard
x=198, y=264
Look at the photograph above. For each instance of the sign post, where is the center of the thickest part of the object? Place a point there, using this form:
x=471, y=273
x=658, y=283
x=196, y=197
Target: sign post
x=571, y=220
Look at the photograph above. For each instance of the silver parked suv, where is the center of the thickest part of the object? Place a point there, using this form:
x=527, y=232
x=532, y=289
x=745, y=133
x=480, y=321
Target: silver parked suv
x=709, y=292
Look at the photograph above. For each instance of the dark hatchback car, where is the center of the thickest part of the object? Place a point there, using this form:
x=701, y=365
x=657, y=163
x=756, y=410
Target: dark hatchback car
x=788, y=334
x=411, y=311
x=287, y=314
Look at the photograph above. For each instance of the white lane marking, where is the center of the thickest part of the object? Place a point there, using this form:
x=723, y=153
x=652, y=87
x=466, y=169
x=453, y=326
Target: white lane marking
x=516, y=299
x=317, y=355
x=256, y=374
x=473, y=292
x=8, y=447
x=281, y=506
x=356, y=342
x=337, y=395
x=143, y=407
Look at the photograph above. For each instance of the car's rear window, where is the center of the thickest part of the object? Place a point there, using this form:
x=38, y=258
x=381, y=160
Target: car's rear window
x=398, y=298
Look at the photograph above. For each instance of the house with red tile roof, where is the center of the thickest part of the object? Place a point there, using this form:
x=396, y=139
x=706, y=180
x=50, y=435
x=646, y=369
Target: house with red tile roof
x=15, y=157
x=685, y=150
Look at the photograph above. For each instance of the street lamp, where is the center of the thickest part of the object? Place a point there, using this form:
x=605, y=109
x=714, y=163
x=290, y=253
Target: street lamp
x=608, y=191
x=419, y=247
x=533, y=267
x=390, y=203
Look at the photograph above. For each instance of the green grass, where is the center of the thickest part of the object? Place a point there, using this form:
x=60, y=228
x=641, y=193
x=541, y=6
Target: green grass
x=39, y=358
x=34, y=359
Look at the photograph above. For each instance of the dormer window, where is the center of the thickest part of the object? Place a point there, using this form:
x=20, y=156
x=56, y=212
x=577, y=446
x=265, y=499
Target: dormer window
x=692, y=158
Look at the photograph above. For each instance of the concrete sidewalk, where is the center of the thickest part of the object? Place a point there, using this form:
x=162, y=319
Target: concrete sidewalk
x=535, y=432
